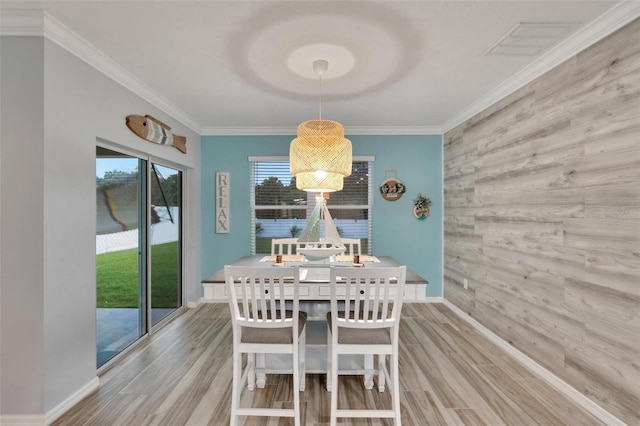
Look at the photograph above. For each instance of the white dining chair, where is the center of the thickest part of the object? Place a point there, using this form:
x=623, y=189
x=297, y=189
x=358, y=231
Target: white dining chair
x=262, y=324
x=365, y=320
x=352, y=246
x=283, y=245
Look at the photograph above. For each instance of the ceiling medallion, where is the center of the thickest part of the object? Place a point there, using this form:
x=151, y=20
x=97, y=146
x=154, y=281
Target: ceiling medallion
x=341, y=59
x=369, y=48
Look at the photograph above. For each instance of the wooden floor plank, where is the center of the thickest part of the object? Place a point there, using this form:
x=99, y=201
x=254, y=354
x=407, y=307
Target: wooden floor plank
x=450, y=375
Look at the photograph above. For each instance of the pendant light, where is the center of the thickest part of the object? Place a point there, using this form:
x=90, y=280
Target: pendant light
x=320, y=157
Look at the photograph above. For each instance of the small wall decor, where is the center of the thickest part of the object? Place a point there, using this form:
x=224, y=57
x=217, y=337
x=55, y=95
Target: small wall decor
x=222, y=202
x=421, y=207
x=392, y=188
x=153, y=130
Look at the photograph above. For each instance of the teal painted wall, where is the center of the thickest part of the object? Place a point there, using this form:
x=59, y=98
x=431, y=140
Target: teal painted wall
x=396, y=233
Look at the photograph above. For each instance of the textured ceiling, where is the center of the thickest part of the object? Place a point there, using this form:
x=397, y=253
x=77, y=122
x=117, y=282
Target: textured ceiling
x=227, y=65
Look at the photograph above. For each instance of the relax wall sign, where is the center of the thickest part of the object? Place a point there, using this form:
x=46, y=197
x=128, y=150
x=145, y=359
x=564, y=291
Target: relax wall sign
x=222, y=202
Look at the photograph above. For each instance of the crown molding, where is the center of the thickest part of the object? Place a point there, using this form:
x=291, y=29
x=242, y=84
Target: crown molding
x=248, y=131
x=22, y=23
x=40, y=23
x=393, y=130
x=290, y=131
x=610, y=21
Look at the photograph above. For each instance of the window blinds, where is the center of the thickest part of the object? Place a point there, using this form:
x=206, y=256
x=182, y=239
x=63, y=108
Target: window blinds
x=280, y=210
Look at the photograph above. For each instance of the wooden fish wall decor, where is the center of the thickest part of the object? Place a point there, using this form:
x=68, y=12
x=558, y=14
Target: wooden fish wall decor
x=154, y=130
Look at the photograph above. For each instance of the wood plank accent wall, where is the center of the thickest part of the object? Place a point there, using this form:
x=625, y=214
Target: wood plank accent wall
x=542, y=216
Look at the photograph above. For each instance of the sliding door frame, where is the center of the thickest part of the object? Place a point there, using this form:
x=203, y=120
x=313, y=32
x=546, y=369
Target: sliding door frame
x=147, y=248
x=153, y=328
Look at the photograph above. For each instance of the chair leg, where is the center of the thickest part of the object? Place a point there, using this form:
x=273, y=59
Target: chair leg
x=382, y=359
x=251, y=377
x=260, y=364
x=328, y=359
x=236, y=386
x=335, y=385
x=302, y=349
x=395, y=383
x=296, y=385
x=368, y=377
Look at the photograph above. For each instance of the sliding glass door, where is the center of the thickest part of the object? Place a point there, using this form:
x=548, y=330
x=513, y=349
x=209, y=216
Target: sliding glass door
x=138, y=248
x=166, y=255
x=120, y=252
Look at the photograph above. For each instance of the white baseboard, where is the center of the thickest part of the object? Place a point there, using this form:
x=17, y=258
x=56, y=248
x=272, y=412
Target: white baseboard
x=555, y=381
x=195, y=304
x=65, y=405
x=26, y=420
x=430, y=300
x=55, y=413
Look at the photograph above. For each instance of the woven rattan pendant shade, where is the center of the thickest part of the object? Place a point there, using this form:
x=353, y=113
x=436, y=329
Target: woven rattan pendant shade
x=320, y=157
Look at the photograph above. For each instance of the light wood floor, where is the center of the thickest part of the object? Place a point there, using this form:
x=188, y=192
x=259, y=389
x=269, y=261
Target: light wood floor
x=450, y=375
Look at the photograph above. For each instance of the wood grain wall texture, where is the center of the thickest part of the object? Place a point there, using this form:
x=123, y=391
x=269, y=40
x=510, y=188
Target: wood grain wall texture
x=542, y=216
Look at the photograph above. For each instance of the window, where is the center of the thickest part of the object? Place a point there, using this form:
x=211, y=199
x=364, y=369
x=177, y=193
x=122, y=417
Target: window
x=280, y=210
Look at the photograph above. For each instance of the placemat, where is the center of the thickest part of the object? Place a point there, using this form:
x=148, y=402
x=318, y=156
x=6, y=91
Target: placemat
x=285, y=258
x=363, y=258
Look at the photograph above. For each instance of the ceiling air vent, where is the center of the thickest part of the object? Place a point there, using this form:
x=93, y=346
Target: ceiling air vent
x=531, y=38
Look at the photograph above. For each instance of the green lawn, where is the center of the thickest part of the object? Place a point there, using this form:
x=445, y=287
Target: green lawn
x=117, y=277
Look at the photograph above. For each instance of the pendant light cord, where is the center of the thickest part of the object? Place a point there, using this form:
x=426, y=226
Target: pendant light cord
x=320, y=96
x=320, y=67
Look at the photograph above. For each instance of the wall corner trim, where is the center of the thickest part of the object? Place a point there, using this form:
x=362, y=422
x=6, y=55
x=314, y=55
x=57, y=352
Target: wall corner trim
x=555, y=381
x=72, y=400
x=22, y=23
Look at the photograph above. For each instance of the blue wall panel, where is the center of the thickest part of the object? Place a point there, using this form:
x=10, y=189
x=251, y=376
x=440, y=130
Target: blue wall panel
x=396, y=233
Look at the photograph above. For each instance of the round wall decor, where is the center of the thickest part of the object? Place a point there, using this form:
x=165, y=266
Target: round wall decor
x=392, y=188
x=421, y=207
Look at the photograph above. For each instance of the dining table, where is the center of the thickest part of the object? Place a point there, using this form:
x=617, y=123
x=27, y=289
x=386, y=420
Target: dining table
x=314, y=276
x=315, y=295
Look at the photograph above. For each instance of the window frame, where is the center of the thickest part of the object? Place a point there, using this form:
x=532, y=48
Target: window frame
x=265, y=159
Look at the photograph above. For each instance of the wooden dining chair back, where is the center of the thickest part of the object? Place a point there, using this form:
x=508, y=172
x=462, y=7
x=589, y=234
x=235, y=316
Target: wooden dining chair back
x=352, y=246
x=283, y=246
x=365, y=320
x=262, y=324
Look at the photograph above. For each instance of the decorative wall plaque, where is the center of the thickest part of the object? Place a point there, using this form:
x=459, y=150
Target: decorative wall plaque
x=421, y=207
x=392, y=188
x=222, y=202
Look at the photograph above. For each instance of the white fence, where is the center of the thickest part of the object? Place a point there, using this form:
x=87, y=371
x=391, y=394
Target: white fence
x=161, y=232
